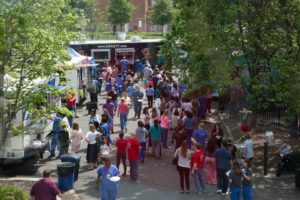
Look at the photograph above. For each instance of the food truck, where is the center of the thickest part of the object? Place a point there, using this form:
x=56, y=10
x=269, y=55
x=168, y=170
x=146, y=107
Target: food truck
x=17, y=149
x=113, y=51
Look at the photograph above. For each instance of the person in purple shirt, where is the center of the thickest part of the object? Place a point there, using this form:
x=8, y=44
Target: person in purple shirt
x=109, y=106
x=188, y=122
x=45, y=188
x=200, y=136
x=108, y=85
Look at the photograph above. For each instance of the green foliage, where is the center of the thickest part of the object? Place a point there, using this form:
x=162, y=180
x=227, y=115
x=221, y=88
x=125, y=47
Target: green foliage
x=64, y=111
x=93, y=17
x=215, y=34
x=34, y=38
x=162, y=12
x=120, y=12
x=13, y=193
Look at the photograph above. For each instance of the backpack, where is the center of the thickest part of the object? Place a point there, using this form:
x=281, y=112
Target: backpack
x=91, y=87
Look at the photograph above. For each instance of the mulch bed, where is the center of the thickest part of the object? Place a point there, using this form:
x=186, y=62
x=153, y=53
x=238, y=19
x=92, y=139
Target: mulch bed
x=258, y=138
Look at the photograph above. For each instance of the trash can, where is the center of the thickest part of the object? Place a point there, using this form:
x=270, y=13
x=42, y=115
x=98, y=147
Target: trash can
x=65, y=173
x=73, y=158
x=91, y=105
x=297, y=177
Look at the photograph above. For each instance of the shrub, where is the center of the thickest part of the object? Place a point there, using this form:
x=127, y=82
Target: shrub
x=13, y=193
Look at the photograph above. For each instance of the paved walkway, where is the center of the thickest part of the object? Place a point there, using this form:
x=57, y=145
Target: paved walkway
x=159, y=180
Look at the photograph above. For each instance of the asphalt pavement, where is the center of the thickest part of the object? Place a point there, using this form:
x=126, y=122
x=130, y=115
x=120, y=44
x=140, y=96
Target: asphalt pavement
x=158, y=179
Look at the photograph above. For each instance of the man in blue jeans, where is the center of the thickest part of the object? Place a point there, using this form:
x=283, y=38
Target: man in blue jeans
x=223, y=158
x=56, y=131
x=123, y=110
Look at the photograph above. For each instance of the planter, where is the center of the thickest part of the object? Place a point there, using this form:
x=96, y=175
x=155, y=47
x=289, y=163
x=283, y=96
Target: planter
x=121, y=36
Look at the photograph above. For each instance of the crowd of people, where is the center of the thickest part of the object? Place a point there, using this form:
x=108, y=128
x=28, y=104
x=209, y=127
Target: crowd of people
x=169, y=121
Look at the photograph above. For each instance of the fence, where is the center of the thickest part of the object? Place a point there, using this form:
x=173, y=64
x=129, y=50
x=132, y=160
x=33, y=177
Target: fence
x=273, y=119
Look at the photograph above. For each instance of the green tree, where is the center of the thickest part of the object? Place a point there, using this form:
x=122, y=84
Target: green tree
x=258, y=38
x=120, y=12
x=162, y=12
x=90, y=10
x=34, y=39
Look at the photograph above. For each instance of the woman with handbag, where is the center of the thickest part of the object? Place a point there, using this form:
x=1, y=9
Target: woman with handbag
x=183, y=166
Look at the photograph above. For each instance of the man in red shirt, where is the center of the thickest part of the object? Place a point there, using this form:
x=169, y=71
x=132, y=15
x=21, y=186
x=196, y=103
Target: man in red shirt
x=133, y=149
x=45, y=189
x=121, y=151
x=197, y=169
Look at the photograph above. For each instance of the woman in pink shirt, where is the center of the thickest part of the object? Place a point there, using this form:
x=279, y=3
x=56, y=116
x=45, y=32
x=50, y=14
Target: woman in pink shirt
x=123, y=113
x=76, y=137
x=164, y=123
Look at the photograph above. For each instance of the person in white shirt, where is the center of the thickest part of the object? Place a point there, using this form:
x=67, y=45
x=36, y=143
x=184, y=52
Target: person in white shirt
x=183, y=154
x=248, y=148
x=109, y=69
x=94, y=118
x=105, y=149
x=157, y=106
x=147, y=72
x=92, y=154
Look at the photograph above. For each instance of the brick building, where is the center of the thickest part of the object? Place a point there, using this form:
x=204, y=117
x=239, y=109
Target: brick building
x=140, y=21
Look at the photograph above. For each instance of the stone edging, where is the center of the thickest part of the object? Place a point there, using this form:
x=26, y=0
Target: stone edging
x=227, y=128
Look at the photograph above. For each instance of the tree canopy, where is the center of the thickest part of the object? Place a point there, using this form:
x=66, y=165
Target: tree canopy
x=90, y=9
x=33, y=46
x=120, y=12
x=252, y=44
x=162, y=12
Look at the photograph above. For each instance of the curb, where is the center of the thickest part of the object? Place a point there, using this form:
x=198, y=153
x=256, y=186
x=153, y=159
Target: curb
x=20, y=179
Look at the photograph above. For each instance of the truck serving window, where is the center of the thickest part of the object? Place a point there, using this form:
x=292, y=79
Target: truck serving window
x=101, y=54
x=128, y=53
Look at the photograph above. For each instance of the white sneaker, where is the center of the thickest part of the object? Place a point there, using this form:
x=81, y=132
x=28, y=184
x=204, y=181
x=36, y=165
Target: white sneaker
x=219, y=191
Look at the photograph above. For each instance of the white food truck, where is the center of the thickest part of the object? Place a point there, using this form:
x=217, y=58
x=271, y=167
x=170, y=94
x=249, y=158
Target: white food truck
x=17, y=149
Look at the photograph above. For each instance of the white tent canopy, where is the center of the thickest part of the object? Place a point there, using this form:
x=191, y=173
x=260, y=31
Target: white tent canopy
x=77, y=59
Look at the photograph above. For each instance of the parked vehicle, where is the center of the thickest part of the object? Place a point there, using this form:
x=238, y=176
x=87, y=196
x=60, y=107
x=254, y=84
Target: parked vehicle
x=17, y=149
x=113, y=51
x=288, y=159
